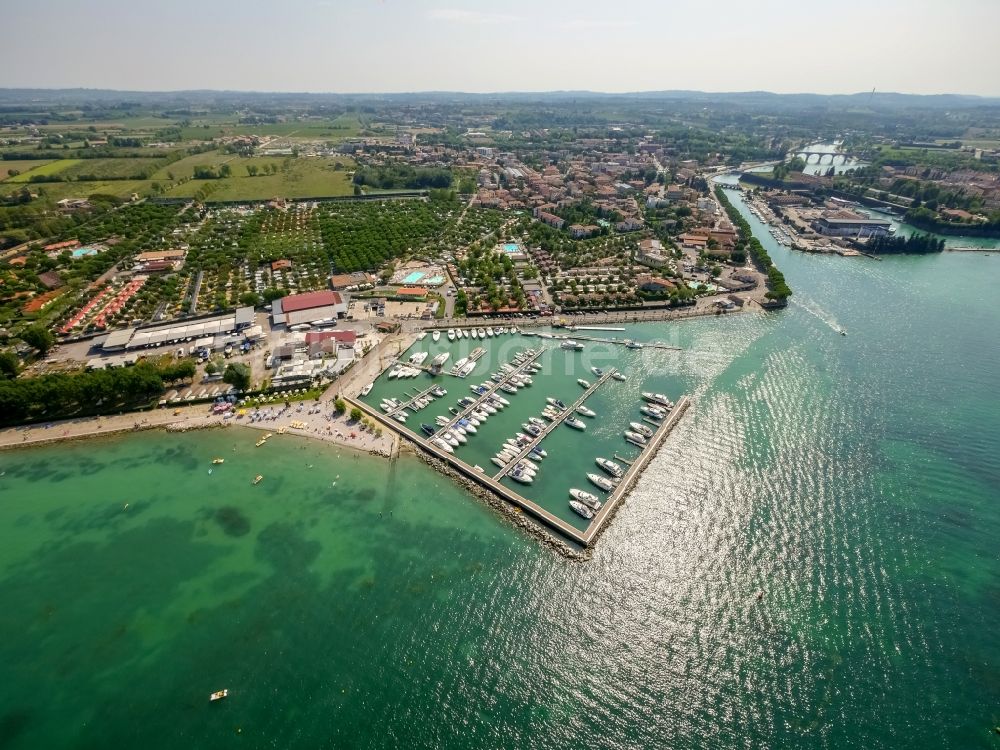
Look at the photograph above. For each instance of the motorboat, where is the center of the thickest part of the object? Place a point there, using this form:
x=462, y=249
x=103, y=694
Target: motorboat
x=218, y=695
x=481, y=332
x=475, y=333
x=537, y=453
x=499, y=462
x=400, y=416
x=451, y=334
x=597, y=371
x=258, y=479
x=394, y=372
x=466, y=401
x=428, y=430
x=618, y=376
x=518, y=474
x=467, y=369
x=442, y=420
x=449, y=438
x=367, y=389
x=459, y=436
x=438, y=391
x=603, y=482
x=508, y=388
x=641, y=429
x=575, y=423
x=635, y=438
x=218, y=461
x=465, y=334
x=531, y=429
x=581, y=409
x=556, y=403
x=418, y=358
x=583, y=383
x=652, y=413
x=571, y=345
x=633, y=345
x=466, y=425
x=581, y=509
x=536, y=421
x=440, y=443
x=436, y=336
x=610, y=466
x=488, y=408
x=440, y=359
x=591, y=501
x=489, y=332
x=657, y=398
x=501, y=399
x=422, y=335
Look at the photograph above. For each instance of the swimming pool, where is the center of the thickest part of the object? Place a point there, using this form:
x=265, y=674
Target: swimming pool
x=511, y=247
x=82, y=252
x=414, y=278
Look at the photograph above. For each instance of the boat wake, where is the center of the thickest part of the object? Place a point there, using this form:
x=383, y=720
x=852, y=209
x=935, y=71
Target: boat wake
x=820, y=314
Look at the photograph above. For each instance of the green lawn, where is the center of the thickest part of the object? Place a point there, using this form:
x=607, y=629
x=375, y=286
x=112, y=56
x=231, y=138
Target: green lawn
x=59, y=190
x=112, y=167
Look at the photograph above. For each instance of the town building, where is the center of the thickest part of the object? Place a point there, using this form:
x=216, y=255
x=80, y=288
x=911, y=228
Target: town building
x=651, y=253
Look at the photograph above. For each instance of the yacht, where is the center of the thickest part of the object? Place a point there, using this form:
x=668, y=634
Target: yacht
x=581, y=409
x=597, y=371
x=537, y=453
x=586, y=498
x=466, y=425
x=536, y=421
x=428, y=430
x=438, y=391
x=508, y=388
x=459, y=365
x=400, y=416
x=581, y=509
x=499, y=462
x=556, y=403
x=531, y=429
x=635, y=438
x=575, y=423
x=652, y=412
x=418, y=358
x=475, y=334
x=436, y=336
x=501, y=399
x=458, y=435
x=618, y=376
x=641, y=429
x=518, y=474
x=481, y=332
x=367, y=389
x=440, y=443
x=572, y=345
x=657, y=398
x=449, y=438
x=394, y=372
x=603, y=482
x=440, y=359
x=441, y=420
x=451, y=334
x=583, y=383
x=610, y=466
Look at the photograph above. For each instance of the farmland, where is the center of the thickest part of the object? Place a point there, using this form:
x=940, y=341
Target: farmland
x=20, y=166
x=293, y=178
x=46, y=169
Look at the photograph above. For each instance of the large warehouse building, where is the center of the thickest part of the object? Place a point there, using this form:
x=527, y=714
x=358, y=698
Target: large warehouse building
x=310, y=307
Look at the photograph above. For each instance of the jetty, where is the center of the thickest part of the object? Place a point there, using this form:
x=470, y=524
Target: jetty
x=569, y=411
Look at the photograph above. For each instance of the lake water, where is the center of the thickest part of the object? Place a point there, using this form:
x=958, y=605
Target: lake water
x=351, y=602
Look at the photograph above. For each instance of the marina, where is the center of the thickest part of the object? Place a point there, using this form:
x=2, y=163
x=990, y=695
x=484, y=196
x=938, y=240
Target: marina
x=528, y=434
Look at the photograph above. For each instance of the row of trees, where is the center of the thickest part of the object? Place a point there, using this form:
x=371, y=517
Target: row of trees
x=398, y=176
x=917, y=244
x=778, y=287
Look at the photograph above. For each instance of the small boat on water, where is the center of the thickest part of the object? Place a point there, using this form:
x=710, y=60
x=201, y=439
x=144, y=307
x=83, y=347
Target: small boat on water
x=571, y=345
x=591, y=501
x=575, y=423
x=436, y=336
x=481, y=332
x=537, y=453
x=260, y=442
x=610, y=466
x=583, y=383
x=440, y=443
x=422, y=336
x=489, y=332
x=367, y=389
x=536, y=421
x=603, y=482
x=475, y=334
x=451, y=334
x=518, y=474
x=428, y=430
x=618, y=376
x=583, y=410
x=218, y=461
x=501, y=399
x=258, y=479
x=218, y=695
x=641, y=429
x=556, y=403
x=581, y=509
x=652, y=413
x=597, y=371
x=633, y=345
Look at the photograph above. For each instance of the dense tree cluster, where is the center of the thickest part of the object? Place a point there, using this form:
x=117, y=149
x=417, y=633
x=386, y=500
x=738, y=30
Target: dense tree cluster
x=777, y=286
x=917, y=244
x=399, y=176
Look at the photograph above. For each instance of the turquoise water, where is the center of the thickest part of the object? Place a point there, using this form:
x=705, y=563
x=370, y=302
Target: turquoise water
x=414, y=277
x=511, y=247
x=852, y=480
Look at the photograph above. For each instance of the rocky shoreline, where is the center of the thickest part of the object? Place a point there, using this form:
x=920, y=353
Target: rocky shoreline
x=508, y=511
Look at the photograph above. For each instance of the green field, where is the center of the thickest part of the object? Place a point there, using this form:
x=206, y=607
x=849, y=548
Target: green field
x=22, y=165
x=47, y=169
x=296, y=178
x=59, y=190
x=104, y=168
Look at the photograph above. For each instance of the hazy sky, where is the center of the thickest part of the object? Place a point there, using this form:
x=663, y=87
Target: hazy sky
x=918, y=46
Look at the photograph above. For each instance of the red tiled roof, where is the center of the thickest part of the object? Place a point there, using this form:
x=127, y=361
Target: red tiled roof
x=309, y=300
x=416, y=291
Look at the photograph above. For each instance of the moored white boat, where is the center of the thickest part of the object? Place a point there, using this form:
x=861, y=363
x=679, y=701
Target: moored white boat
x=591, y=501
x=603, y=482
x=581, y=509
